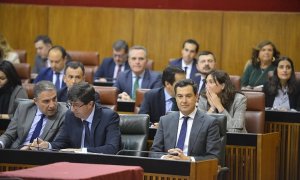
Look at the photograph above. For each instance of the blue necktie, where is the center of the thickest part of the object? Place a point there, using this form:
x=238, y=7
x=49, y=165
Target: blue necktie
x=37, y=130
x=181, y=138
x=87, y=134
x=57, y=82
x=185, y=69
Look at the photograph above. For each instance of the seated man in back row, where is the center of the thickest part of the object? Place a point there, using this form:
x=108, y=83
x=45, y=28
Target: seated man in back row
x=43, y=117
x=138, y=76
x=88, y=127
x=188, y=134
x=157, y=102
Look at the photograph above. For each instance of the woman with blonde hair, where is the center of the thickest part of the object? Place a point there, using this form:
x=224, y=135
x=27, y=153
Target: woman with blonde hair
x=9, y=53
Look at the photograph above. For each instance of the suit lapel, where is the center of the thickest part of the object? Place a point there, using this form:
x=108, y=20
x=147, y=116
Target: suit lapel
x=95, y=123
x=28, y=122
x=49, y=123
x=196, y=127
x=146, y=79
x=173, y=129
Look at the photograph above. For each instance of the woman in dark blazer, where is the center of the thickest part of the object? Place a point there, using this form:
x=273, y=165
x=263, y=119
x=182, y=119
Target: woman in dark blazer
x=282, y=89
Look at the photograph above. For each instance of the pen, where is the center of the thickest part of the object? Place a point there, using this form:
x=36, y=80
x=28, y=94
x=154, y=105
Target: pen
x=37, y=141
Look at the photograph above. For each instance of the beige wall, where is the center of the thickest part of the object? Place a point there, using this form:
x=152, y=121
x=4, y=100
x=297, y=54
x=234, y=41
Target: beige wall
x=230, y=35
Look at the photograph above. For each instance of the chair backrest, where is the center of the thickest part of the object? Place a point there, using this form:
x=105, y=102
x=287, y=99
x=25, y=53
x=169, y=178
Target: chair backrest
x=255, y=112
x=150, y=64
x=29, y=89
x=139, y=99
x=22, y=55
x=236, y=81
x=89, y=75
x=297, y=74
x=24, y=71
x=108, y=96
x=134, y=132
x=222, y=122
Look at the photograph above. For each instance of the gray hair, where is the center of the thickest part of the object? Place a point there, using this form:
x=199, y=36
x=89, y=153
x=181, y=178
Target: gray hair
x=138, y=47
x=42, y=86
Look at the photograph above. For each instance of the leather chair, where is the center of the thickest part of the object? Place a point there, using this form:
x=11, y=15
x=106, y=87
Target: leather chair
x=150, y=64
x=22, y=55
x=139, y=99
x=108, y=96
x=89, y=75
x=236, y=81
x=29, y=89
x=222, y=122
x=134, y=133
x=90, y=59
x=24, y=71
x=255, y=112
x=297, y=74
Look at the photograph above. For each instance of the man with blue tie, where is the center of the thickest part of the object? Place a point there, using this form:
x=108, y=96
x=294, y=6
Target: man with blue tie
x=138, y=76
x=205, y=64
x=42, y=117
x=111, y=67
x=88, y=127
x=57, y=57
x=188, y=134
x=188, y=61
x=157, y=102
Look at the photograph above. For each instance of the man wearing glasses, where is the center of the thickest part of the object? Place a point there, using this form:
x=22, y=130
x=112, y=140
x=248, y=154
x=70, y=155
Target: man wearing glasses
x=88, y=127
x=112, y=66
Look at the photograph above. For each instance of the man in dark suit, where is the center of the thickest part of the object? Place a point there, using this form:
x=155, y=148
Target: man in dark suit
x=188, y=61
x=42, y=117
x=138, y=76
x=158, y=101
x=112, y=66
x=74, y=73
x=205, y=64
x=42, y=45
x=57, y=57
x=88, y=126
x=188, y=134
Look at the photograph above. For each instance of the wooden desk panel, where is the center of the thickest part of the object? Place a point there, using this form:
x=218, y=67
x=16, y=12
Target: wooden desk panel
x=288, y=125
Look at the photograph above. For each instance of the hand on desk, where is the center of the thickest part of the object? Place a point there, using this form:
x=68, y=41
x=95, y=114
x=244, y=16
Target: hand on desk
x=39, y=143
x=101, y=80
x=124, y=96
x=177, y=155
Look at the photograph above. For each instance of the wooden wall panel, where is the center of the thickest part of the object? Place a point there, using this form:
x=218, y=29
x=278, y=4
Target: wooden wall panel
x=293, y=39
x=93, y=29
x=243, y=31
x=163, y=32
x=21, y=23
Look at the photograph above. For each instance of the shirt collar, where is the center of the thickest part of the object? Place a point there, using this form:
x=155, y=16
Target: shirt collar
x=192, y=115
x=167, y=95
x=38, y=112
x=91, y=116
x=141, y=75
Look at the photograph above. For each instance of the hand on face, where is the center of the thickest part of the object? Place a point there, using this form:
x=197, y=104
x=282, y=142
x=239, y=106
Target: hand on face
x=213, y=99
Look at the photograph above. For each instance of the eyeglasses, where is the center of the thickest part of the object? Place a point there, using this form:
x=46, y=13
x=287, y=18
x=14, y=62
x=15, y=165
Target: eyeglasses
x=74, y=105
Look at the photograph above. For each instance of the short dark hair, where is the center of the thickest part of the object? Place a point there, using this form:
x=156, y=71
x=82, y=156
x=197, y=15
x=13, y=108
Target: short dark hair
x=74, y=65
x=42, y=86
x=60, y=48
x=169, y=74
x=191, y=41
x=204, y=53
x=12, y=76
x=184, y=83
x=83, y=92
x=44, y=38
x=119, y=45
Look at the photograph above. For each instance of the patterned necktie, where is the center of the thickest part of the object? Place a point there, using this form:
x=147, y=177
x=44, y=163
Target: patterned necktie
x=57, y=82
x=86, y=134
x=37, y=130
x=203, y=86
x=135, y=87
x=174, y=104
x=182, y=134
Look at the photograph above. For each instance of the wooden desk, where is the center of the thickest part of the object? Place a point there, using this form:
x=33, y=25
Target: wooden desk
x=153, y=168
x=66, y=170
x=288, y=125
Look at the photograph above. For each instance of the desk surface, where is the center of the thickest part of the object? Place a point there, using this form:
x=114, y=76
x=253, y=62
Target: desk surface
x=66, y=170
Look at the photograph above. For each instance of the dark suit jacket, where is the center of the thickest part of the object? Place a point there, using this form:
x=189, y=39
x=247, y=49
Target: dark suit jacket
x=39, y=64
x=47, y=74
x=151, y=80
x=178, y=63
x=62, y=95
x=106, y=69
x=105, y=132
x=20, y=124
x=294, y=99
x=154, y=104
x=204, y=142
